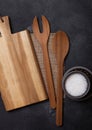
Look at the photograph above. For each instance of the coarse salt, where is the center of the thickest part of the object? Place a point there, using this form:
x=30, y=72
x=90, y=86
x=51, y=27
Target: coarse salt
x=76, y=84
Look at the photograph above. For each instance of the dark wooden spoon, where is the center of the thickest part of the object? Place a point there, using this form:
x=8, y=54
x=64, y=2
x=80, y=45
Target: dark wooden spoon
x=60, y=45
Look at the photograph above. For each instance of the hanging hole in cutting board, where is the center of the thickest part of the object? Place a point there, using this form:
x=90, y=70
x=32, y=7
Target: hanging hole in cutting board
x=0, y=34
x=1, y=19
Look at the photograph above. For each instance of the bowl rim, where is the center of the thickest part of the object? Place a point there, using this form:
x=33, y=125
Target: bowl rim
x=70, y=72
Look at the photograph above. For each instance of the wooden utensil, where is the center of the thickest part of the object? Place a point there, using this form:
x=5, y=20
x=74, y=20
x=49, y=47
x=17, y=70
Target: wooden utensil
x=60, y=45
x=20, y=78
x=43, y=40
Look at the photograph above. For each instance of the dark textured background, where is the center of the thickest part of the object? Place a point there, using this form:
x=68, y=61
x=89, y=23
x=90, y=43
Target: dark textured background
x=75, y=18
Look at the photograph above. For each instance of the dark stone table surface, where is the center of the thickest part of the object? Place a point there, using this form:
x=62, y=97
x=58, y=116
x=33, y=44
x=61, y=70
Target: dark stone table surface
x=75, y=18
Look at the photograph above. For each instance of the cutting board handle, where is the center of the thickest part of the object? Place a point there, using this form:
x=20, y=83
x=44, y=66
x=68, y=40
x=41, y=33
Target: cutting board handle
x=5, y=26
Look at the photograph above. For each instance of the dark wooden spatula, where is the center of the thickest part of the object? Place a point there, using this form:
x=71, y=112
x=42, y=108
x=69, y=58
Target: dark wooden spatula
x=60, y=45
x=43, y=40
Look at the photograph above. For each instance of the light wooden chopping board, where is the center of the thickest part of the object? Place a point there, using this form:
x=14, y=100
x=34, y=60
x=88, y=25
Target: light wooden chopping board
x=21, y=83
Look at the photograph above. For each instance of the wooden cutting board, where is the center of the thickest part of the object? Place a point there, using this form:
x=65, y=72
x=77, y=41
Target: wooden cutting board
x=21, y=83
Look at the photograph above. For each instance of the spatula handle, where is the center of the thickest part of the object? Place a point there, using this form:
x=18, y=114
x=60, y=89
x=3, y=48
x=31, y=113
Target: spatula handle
x=59, y=96
x=51, y=89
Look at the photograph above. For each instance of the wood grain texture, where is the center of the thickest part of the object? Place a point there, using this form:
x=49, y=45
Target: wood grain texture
x=60, y=48
x=43, y=41
x=20, y=78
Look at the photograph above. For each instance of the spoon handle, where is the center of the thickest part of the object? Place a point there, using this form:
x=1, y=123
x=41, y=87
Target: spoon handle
x=59, y=96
